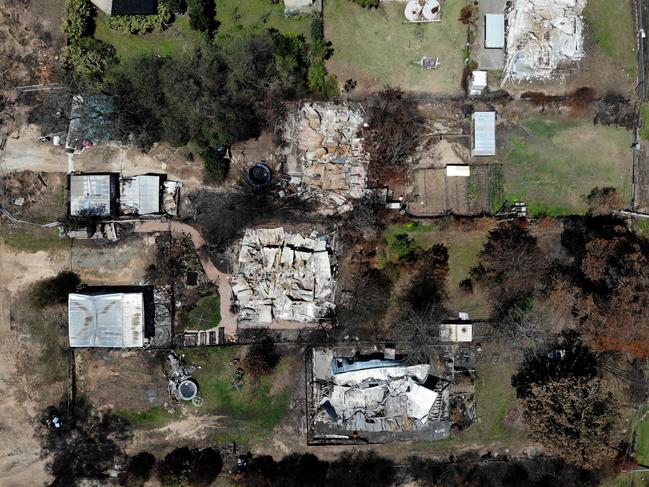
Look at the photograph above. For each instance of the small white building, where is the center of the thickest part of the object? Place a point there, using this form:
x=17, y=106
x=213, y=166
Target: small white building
x=458, y=171
x=477, y=82
x=494, y=31
x=484, y=134
x=456, y=333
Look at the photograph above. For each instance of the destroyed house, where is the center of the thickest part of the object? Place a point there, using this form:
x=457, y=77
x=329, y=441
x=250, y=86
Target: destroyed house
x=111, y=317
x=283, y=277
x=127, y=7
x=93, y=195
x=369, y=395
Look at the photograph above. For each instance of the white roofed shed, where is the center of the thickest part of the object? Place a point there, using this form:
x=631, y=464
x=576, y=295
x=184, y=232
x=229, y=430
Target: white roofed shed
x=484, y=134
x=494, y=31
x=106, y=320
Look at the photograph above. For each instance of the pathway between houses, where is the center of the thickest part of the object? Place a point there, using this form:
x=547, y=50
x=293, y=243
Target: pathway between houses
x=220, y=279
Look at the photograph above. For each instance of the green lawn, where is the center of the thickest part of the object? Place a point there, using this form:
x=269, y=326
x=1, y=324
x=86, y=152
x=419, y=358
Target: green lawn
x=642, y=440
x=151, y=418
x=206, y=314
x=631, y=479
x=250, y=414
x=376, y=48
x=463, y=246
x=557, y=163
x=167, y=43
x=34, y=239
x=235, y=14
x=612, y=28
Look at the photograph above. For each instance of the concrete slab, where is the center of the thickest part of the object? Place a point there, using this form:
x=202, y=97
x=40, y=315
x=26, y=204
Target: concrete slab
x=489, y=59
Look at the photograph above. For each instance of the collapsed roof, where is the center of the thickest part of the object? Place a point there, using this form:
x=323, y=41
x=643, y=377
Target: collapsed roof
x=91, y=194
x=140, y=195
x=543, y=35
x=328, y=162
x=108, y=320
x=374, y=395
x=282, y=277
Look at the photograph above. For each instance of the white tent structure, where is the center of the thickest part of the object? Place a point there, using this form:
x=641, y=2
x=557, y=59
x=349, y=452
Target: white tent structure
x=484, y=134
x=106, y=320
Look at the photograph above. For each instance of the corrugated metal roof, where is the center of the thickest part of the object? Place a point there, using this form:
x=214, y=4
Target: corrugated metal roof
x=140, y=195
x=484, y=134
x=494, y=31
x=90, y=195
x=106, y=320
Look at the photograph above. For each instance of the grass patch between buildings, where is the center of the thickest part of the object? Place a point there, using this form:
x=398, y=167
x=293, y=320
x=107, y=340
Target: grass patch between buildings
x=237, y=15
x=150, y=418
x=33, y=239
x=376, y=47
x=206, y=314
x=251, y=412
x=556, y=165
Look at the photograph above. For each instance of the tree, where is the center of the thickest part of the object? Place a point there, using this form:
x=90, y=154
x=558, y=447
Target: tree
x=261, y=358
x=205, y=466
x=354, y=468
x=468, y=14
x=217, y=165
x=602, y=201
x=428, y=283
x=201, y=15
x=90, y=59
x=510, y=264
x=138, y=470
x=607, y=289
x=55, y=290
x=394, y=131
x=86, y=444
x=78, y=18
x=419, y=330
x=564, y=404
x=575, y=419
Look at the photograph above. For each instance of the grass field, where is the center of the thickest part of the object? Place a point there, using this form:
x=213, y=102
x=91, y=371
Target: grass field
x=611, y=27
x=206, y=314
x=235, y=14
x=463, y=245
x=642, y=441
x=151, y=418
x=34, y=239
x=167, y=43
x=556, y=165
x=250, y=413
x=376, y=48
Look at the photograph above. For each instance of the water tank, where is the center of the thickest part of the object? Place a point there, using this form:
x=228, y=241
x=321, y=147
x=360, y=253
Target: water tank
x=187, y=389
x=259, y=175
x=413, y=10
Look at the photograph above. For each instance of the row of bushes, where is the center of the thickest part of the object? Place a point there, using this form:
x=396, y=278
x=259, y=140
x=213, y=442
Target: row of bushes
x=136, y=24
x=319, y=81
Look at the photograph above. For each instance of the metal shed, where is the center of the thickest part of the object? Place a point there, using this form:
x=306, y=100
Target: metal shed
x=140, y=195
x=494, y=31
x=106, y=320
x=484, y=134
x=90, y=195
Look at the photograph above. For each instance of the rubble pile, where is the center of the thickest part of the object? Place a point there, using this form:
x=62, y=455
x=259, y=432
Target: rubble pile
x=332, y=164
x=542, y=35
x=25, y=187
x=282, y=277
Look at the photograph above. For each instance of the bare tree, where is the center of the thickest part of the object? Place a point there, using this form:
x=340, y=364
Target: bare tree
x=419, y=330
x=522, y=329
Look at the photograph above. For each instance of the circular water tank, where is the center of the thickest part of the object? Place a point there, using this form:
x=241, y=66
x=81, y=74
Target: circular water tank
x=260, y=175
x=413, y=10
x=431, y=10
x=187, y=390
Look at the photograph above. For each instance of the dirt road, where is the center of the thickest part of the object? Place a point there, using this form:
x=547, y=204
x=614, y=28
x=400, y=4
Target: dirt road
x=28, y=153
x=228, y=319
x=20, y=462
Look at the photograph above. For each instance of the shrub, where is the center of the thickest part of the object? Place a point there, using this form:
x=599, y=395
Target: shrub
x=135, y=24
x=78, y=18
x=321, y=83
x=177, y=6
x=216, y=164
x=368, y=3
x=55, y=290
x=201, y=15
x=89, y=58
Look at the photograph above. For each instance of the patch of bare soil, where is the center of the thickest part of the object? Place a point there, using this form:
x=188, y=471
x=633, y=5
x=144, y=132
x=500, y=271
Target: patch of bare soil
x=121, y=263
x=121, y=380
x=35, y=196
